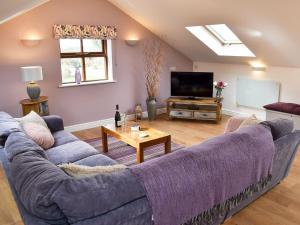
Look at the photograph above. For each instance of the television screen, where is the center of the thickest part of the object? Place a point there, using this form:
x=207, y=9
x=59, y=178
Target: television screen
x=192, y=84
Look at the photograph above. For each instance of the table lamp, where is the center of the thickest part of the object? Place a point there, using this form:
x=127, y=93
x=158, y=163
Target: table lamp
x=31, y=74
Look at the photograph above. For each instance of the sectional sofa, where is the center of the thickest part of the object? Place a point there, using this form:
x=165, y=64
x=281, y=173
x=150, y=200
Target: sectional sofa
x=47, y=195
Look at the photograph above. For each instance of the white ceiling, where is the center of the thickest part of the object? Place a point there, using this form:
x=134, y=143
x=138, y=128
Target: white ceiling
x=270, y=28
x=12, y=8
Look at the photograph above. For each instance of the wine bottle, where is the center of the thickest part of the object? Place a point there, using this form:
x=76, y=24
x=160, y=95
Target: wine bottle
x=117, y=117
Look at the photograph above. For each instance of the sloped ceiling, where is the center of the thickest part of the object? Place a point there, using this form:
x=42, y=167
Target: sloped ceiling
x=12, y=8
x=270, y=28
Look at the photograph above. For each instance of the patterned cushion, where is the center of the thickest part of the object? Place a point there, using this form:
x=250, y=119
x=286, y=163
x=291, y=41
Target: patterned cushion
x=32, y=117
x=79, y=171
x=252, y=120
x=234, y=123
x=40, y=134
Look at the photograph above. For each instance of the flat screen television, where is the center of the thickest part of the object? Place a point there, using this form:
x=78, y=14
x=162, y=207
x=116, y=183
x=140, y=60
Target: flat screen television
x=192, y=84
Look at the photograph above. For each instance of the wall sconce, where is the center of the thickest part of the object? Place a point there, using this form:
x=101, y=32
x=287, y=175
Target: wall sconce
x=30, y=42
x=258, y=68
x=132, y=42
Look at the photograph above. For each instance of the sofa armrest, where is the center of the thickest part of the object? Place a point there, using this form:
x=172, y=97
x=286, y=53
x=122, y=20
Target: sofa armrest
x=55, y=123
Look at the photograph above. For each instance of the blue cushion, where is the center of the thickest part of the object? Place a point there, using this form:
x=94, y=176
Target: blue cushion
x=70, y=152
x=96, y=160
x=63, y=137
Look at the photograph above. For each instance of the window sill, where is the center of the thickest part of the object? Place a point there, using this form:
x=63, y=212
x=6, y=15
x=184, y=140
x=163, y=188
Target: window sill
x=87, y=83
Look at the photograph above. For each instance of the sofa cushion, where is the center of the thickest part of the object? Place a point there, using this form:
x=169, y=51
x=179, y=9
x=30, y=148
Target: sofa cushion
x=18, y=143
x=96, y=160
x=89, y=197
x=79, y=171
x=39, y=134
x=54, y=123
x=32, y=117
x=70, y=152
x=252, y=120
x=279, y=127
x=35, y=180
x=296, y=111
x=234, y=123
x=291, y=108
x=63, y=137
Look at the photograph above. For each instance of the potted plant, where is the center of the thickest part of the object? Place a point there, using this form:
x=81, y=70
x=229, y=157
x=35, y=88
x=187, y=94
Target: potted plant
x=219, y=86
x=153, y=54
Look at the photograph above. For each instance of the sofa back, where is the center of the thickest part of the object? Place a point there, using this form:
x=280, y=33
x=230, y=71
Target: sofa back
x=7, y=125
x=279, y=127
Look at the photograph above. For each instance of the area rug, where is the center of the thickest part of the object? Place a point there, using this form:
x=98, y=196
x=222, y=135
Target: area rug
x=125, y=154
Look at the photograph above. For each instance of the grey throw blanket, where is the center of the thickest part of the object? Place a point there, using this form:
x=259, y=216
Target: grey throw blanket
x=184, y=184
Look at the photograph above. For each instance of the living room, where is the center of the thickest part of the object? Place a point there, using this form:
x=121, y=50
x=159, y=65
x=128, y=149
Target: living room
x=107, y=94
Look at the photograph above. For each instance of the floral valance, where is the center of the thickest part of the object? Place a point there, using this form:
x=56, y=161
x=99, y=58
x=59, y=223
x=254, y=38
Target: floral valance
x=85, y=31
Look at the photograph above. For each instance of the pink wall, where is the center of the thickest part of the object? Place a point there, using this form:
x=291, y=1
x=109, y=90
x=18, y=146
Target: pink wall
x=85, y=103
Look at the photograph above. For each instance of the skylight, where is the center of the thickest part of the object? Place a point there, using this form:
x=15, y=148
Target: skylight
x=224, y=34
x=221, y=40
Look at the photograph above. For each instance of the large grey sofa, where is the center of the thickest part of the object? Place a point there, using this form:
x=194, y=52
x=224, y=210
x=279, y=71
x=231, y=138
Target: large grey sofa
x=124, y=203
x=46, y=195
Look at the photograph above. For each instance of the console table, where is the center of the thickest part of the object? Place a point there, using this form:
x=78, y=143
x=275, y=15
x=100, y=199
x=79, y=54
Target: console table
x=40, y=106
x=197, y=109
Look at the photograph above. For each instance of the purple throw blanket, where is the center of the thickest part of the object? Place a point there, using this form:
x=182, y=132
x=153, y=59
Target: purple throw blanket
x=183, y=184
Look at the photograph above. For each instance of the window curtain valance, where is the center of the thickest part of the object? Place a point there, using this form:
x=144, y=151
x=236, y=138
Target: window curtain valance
x=85, y=31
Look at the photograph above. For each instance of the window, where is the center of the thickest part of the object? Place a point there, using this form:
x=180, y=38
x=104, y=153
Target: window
x=224, y=34
x=221, y=39
x=90, y=56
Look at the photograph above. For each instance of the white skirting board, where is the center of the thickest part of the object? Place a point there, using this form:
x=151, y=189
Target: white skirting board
x=93, y=124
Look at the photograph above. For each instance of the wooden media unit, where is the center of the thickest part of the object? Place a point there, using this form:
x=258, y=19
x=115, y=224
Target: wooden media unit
x=197, y=109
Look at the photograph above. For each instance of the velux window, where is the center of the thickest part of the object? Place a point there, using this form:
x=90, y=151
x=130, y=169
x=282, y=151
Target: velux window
x=221, y=39
x=90, y=56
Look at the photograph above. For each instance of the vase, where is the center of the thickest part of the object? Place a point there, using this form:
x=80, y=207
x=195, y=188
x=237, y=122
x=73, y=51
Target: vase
x=151, y=108
x=219, y=95
x=77, y=76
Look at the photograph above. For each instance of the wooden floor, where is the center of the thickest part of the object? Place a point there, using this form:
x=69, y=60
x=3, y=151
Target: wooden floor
x=280, y=206
x=9, y=213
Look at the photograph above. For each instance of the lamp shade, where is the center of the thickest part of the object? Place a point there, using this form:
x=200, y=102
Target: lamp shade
x=31, y=73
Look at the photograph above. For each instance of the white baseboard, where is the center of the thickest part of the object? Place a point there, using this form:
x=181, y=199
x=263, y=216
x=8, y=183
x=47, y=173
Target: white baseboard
x=89, y=125
x=239, y=113
x=229, y=112
x=93, y=124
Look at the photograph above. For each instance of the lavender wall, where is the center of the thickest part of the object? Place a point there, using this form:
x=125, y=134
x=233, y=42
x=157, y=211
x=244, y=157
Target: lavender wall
x=85, y=103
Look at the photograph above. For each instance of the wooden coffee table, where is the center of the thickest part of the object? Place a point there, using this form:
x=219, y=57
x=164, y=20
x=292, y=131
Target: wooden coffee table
x=132, y=138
